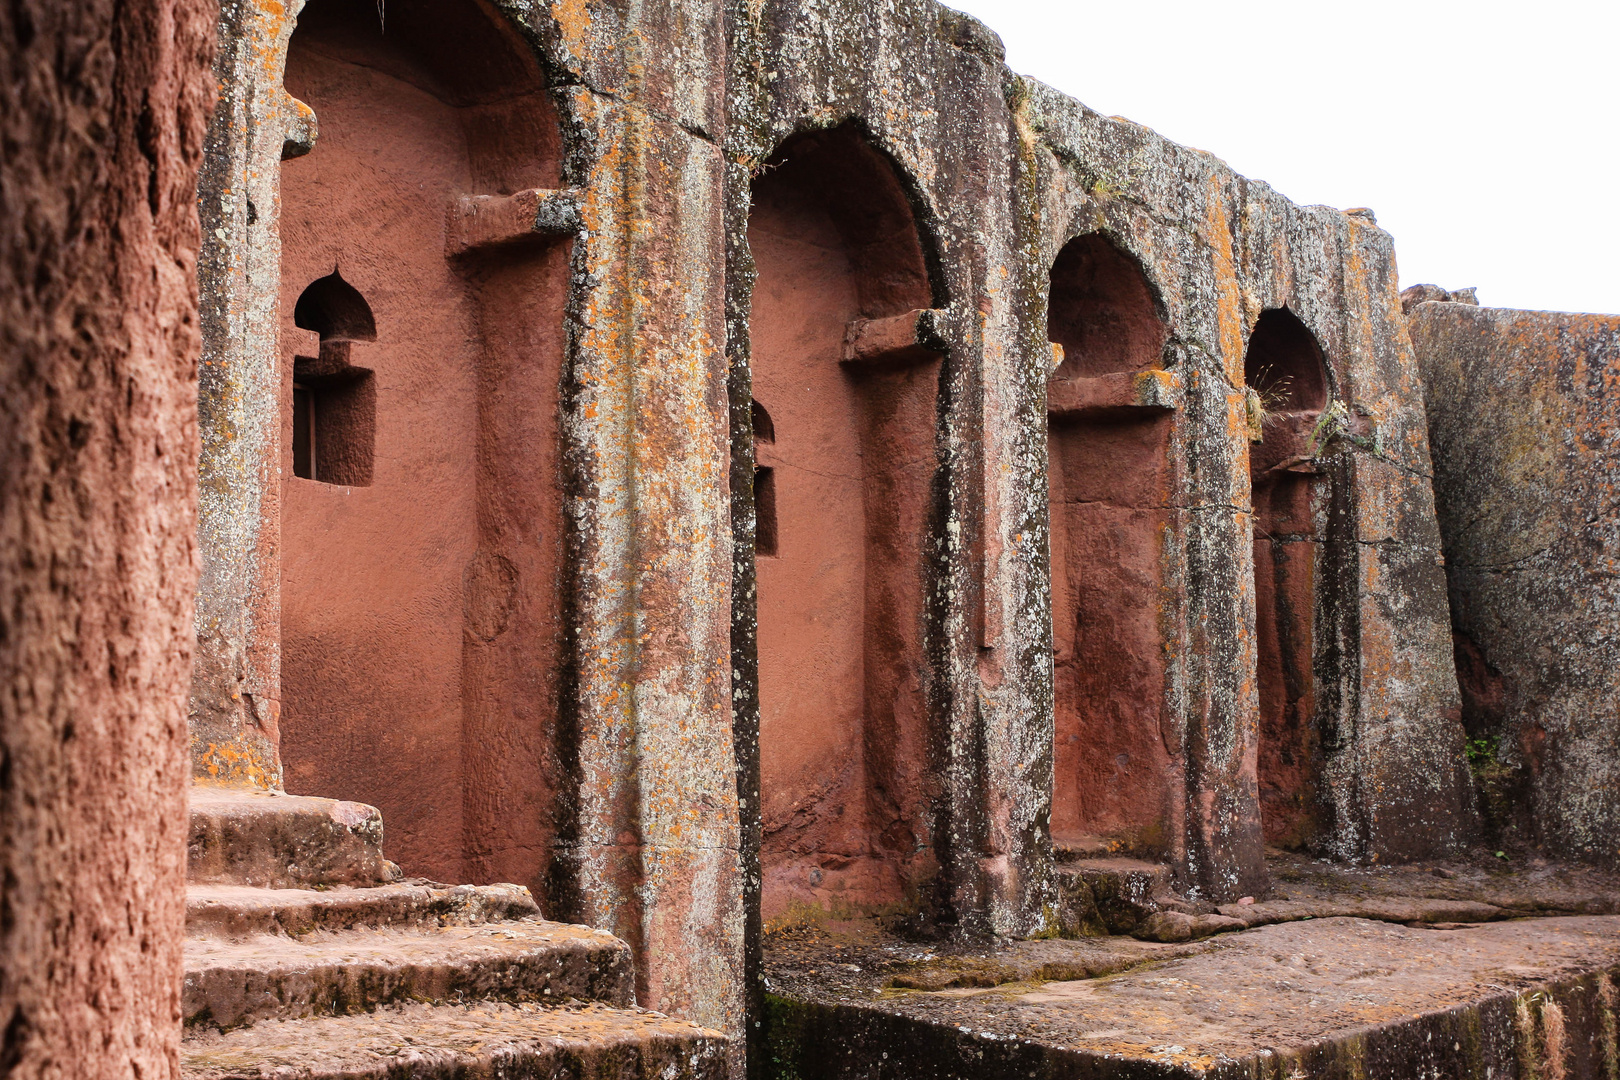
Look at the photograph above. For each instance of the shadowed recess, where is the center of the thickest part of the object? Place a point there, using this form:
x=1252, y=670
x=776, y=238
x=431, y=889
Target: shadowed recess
x=843, y=496
x=421, y=629
x=1284, y=367
x=1110, y=476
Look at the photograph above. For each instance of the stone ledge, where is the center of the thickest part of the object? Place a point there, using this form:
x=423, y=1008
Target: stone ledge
x=240, y=911
x=1327, y=998
x=268, y=839
x=483, y=222
x=229, y=984
x=1125, y=392
x=445, y=1042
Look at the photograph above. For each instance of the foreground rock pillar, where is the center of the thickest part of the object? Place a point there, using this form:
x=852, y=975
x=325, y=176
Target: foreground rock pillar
x=1523, y=418
x=103, y=107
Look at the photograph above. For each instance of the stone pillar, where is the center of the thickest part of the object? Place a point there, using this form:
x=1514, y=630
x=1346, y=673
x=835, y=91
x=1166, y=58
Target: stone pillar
x=103, y=107
x=1387, y=694
x=652, y=853
x=236, y=694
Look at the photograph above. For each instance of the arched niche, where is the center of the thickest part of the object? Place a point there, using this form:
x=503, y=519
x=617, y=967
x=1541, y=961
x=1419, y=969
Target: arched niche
x=420, y=614
x=844, y=436
x=1109, y=426
x=1288, y=381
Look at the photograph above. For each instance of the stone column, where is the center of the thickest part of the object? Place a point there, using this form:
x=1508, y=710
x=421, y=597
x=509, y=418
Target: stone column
x=103, y=107
x=236, y=694
x=652, y=853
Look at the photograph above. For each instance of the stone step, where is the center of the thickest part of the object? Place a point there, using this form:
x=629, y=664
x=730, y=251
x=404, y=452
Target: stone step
x=1110, y=896
x=454, y=1042
x=231, y=983
x=268, y=839
x=240, y=911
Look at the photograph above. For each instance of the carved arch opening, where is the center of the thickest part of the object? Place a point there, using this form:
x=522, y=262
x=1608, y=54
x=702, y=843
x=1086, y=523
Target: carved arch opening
x=1110, y=418
x=844, y=498
x=421, y=616
x=1289, y=386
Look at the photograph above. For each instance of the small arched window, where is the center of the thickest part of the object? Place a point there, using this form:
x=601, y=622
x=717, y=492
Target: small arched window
x=334, y=402
x=1284, y=364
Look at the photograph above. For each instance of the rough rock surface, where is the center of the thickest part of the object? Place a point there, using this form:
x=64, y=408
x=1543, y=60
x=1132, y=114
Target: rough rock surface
x=264, y=976
x=269, y=839
x=417, y=978
x=239, y=910
x=1523, y=419
x=1328, y=998
x=102, y=110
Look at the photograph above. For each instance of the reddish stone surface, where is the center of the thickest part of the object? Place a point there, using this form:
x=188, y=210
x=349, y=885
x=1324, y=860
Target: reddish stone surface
x=1115, y=773
x=1284, y=367
x=845, y=458
x=420, y=629
x=102, y=109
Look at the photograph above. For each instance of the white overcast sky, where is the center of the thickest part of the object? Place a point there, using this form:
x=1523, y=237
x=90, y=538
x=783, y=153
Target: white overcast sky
x=1486, y=136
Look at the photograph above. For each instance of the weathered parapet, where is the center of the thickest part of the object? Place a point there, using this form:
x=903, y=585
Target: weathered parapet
x=236, y=692
x=1219, y=251
x=1523, y=417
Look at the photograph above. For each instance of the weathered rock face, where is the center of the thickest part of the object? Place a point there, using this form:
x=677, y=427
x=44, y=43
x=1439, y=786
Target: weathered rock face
x=792, y=565
x=1522, y=416
x=103, y=108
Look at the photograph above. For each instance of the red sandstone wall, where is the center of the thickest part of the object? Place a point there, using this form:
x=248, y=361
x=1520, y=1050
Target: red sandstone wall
x=1111, y=486
x=103, y=107
x=371, y=576
x=843, y=726
x=420, y=626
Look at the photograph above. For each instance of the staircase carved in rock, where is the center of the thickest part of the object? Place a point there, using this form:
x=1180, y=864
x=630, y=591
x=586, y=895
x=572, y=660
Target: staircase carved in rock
x=308, y=958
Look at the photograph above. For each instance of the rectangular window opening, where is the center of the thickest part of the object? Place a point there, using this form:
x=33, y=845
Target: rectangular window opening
x=334, y=425
x=765, y=512
x=303, y=433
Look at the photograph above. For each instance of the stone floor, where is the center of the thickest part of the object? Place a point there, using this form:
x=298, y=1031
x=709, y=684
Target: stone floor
x=1479, y=967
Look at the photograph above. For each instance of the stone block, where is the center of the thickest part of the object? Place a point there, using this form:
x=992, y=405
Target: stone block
x=455, y=1041
x=231, y=983
x=248, y=836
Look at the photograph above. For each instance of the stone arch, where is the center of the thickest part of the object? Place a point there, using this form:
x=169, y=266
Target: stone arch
x=1290, y=385
x=1110, y=478
x=843, y=348
x=421, y=617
